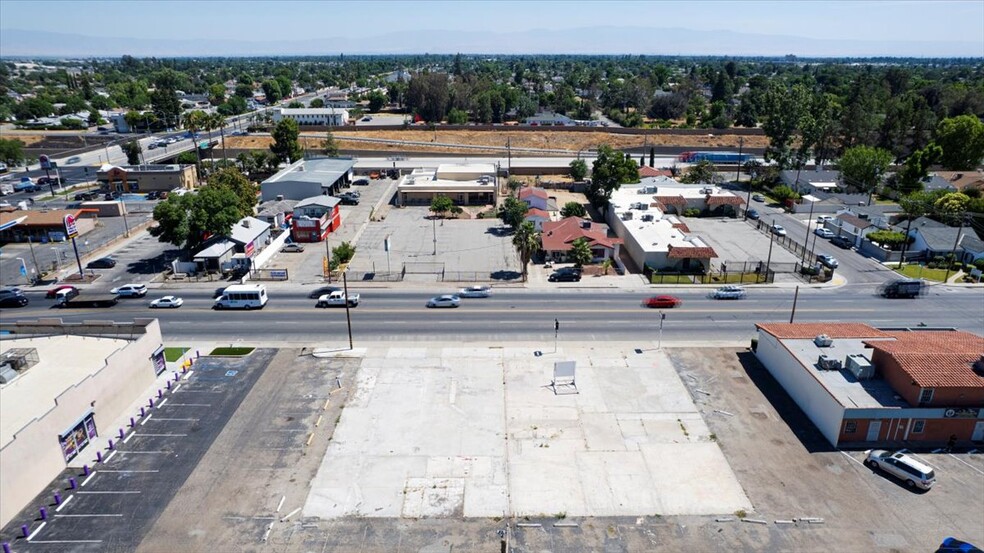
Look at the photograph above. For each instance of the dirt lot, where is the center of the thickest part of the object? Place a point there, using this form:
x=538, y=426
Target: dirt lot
x=572, y=141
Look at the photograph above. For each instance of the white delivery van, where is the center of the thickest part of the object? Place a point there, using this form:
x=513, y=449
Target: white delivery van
x=242, y=296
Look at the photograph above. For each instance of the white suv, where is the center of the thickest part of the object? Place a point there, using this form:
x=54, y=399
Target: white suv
x=130, y=291
x=903, y=467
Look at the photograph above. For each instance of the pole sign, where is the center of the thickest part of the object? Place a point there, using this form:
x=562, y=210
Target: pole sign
x=71, y=230
x=45, y=162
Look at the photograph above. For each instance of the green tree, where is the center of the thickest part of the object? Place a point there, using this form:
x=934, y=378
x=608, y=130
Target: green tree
x=194, y=121
x=329, y=146
x=962, y=141
x=527, y=242
x=610, y=171
x=166, y=106
x=573, y=209
x=702, y=172
x=428, y=95
x=132, y=150
x=285, y=145
x=952, y=204
x=294, y=104
x=441, y=205
x=862, y=167
x=171, y=216
x=783, y=109
x=782, y=193
x=343, y=253
x=317, y=103
x=232, y=179
x=457, y=117
x=11, y=151
x=212, y=212
x=94, y=118
x=216, y=94
x=580, y=252
x=271, y=89
x=513, y=212
x=244, y=90
x=888, y=238
x=376, y=101
x=916, y=168
x=579, y=170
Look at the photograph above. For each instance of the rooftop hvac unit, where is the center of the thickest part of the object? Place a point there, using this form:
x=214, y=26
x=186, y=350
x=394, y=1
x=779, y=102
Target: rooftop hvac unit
x=627, y=216
x=860, y=366
x=7, y=373
x=823, y=341
x=647, y=217
x=707, y=190
x=20, y=359
x=828, y=363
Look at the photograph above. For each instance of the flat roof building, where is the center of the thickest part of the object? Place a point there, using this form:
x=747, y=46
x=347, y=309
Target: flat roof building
x=308, y=177
x=330, y=116
x=464, y=184
x=147, y=178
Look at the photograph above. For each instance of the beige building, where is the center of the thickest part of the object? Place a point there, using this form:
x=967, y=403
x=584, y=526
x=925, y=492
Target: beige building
x=146, y=178
x=54, y=407
x=474, y=184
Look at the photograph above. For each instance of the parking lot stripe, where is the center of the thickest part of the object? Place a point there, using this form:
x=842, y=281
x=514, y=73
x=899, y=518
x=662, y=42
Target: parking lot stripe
x=191, y=405
x=130, y=491
x=149, y=452
x=188, y=375
x=852, y=458
x=161, y=404
x=93, y=515
x=966, y=463
x=110, y=456
x=165, y=419
x=86, y=481
x=147, y=419
x=36, y=530
x=127, y=439
x=67, y=499
x=176, y=388
x=68, y=541
x=159, y=435
x=127, y=471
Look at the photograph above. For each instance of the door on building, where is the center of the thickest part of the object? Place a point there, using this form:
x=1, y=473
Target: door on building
x=978, y=435
x=874, y=429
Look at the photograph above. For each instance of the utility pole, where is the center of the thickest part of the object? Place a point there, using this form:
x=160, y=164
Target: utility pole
x=34, y=258
x=348, y=312
x=809, y=223
x=768, y=261
x=328, y=260
x=434, y=221
x=795, y=298
x=741, y=142
x=956, y=243
x=556, y=333
x=659, y=341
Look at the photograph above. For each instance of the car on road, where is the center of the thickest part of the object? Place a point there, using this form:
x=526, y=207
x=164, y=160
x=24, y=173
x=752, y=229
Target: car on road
x=172, y=302
x=14, y=300
x=481, y=291
x=752, y=214
x=130, y=291
x=348, y=199
x=728, y=292
x=53, y=293
x=778, y=230
x=26, y=185
x=905, y=467
x=73, y=159
x=101, y=263
x=828, y=261
x=361, y=182
x=824, y=232
x=86, y=196
x=288, y=248
x=842, y=242
x=338, y=299
x=662, y=302
x=758, y=198
x=322, y=291
x=447, y=300
x=47, y=181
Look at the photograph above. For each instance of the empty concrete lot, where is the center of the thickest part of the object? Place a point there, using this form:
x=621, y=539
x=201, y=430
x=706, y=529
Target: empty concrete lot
x=734, y=240
x=477, y=432
x=466, y=245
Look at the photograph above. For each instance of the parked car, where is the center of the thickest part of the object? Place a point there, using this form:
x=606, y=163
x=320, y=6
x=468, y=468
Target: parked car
x=904, y=467
x=172, y=302
x=361, y=182
x=101, y=263
x=565, y=276
x=130, y=291
x=318, y=292
x=953, y=545
x=26, y=185
x=728, y=292
x=475, y=292
x=828, y=261
x=292, y=248
x=73, y=159
x=53, y=293
x=447, y=300
x=778, y=230
x=86, y=196
x=347, y=199
x=752, y=214
x=842, y=242
x=824, y=218
x=662, y=302
x=824, y=232
x=14, y=301
x=758, y=197
x=46, y=181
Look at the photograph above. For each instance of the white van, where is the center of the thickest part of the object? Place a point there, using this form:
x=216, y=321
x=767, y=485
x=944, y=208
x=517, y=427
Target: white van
x=242, y=296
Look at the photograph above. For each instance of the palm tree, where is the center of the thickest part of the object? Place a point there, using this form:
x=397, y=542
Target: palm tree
x=580, y=252
x=527, y=242
x=194, y=121
x=218, y=122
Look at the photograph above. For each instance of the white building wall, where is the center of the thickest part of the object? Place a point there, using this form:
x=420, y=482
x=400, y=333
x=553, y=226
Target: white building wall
x=821, y=407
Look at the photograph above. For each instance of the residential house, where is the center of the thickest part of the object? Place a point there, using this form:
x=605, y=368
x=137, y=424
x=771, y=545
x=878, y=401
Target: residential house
x=932, y=238
x=647, y=171
x=557, y=239
x=868, y=387
x=535, y=198
x=549, y=119
x=315, y=218
x=277, y=213
x=812, y=182
x=247, y=238
x=537, y=217
x=852, y=226
x=962, y=180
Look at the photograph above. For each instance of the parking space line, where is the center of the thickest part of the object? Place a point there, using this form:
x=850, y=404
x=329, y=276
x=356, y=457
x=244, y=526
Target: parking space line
x=127, y=471
x=86, y=481
x=190, y=405
x=93, y=515
x=147, y=419
x=67, y=499
x=108, y=492
x=127, y=439
x=161, y=404
x=36, y=530
x=110, y=456
x=149, y=452
x=176, y=388
x=845, y=454
x=68, y=541
x=164, y=419
x=159, y=435
x=188, y=375
x=966, y=463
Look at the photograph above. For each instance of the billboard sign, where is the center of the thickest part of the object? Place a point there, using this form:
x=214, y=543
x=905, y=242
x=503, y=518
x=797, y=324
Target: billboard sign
x=160, y=363
x=45, y=162
x=71, y=229
x=74, y=440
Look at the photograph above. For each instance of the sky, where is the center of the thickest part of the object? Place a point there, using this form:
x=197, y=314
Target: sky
x=271, y=20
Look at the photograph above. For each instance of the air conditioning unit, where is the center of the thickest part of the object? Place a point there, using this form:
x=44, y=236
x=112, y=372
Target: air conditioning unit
x=860, y=366
x=707, y=190
x=627, y=216
x=828, y=363
x=823, y=341
x=647, y=217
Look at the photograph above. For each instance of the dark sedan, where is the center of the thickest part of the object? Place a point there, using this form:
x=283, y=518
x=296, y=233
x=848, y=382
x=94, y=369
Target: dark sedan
x=13, y=301
x=102, y=263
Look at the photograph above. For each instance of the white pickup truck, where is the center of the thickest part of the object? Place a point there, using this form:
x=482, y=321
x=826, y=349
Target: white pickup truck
x=337, y=299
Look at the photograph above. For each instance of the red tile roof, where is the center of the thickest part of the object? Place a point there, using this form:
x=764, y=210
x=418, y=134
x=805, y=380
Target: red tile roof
x=682, y=226
x=690, y=252
x=537, y=212
x=936, y=359
x=532, y=191
x=670, y=200
x=646, y=171
x=724, y=200
x=804, y=331
x=559, y=235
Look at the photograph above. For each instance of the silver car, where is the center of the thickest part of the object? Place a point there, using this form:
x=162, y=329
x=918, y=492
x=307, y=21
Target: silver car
x=902, y=466
x=447, y=300
x=475, y=292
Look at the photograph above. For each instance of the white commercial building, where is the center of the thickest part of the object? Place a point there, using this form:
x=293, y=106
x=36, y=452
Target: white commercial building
x=332, y=117
x=465, y=184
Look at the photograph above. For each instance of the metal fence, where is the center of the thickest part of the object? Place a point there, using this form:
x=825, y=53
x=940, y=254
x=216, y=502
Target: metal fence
x=713, y=278
x=473, y=276
x=423, y=267
x=370, y=276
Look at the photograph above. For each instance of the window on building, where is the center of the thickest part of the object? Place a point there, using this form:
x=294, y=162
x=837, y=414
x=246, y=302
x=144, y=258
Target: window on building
x=850, y=427
x=925, y=395
x=918, y=427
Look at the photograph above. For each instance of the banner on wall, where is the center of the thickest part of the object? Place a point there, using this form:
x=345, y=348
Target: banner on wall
x=160, y=364
x=78, y=437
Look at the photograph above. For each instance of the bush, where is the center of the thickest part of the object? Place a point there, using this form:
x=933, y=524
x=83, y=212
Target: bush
x=691, y=212
x=979, y=263
x=343, y=253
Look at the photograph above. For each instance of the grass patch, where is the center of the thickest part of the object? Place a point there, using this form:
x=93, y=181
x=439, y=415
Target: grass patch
x=173, y=354
x=737, y=278
x=671, y=279
x=231, y=352
x=920, y=271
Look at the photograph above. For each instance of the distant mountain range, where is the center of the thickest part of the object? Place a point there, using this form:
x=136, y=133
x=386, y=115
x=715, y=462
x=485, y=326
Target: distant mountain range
x=16, y=43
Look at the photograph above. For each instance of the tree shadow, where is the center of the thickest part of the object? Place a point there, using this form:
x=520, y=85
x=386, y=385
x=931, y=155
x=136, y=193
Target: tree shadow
x=506, y=275
x=155, y=264
x=499, y=231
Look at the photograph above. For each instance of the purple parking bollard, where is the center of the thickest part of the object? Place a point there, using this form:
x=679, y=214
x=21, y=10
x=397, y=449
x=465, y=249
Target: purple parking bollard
x=141, y=411
x=150, y=402
x=160, y=394
x=110, y=447
x=6, y=547
x=122, y=434
x=99, y=457
x=169, y=384
x=85, y=470
x=25, y=530
x=132, y=422
x=72, y=484
x=57, y=498
x=175, y=376
x=44, y=513
x=198, y=353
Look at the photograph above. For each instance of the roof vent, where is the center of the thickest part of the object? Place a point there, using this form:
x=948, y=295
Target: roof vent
x=280, y=197
x=823, y=341
x=827, y=363
x=246, y=223
x=586, y=224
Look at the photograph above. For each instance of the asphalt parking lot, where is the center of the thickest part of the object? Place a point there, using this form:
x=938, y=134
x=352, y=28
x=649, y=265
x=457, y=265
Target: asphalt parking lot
x=117, y=503
x=734, y=240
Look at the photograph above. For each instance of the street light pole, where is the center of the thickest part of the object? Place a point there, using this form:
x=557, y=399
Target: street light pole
x=795, y=298
x=809, y=223
x=348, y=313
x=434, y=221
x=659, y=341
x=768, y=261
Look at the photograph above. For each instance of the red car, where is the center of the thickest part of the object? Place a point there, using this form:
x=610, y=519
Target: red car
x=663, y=302
x=54, y=291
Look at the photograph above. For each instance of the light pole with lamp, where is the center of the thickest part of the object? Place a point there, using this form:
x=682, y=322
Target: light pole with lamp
x=806, y=243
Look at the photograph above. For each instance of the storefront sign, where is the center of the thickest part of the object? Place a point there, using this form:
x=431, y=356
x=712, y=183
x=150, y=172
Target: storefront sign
x=279, y=274
x=74, y=441
x=160, y=365
x=71, y=230
x=250, y=249
x=961, y=413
